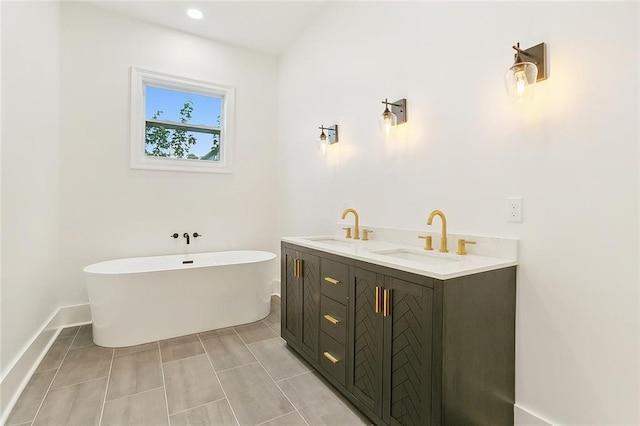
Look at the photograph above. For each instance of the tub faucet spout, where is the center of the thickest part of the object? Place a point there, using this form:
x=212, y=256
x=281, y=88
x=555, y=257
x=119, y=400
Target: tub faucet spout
x=186, y=235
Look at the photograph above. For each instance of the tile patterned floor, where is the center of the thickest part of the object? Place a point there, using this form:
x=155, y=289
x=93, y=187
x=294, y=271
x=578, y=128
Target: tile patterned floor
x=241, y=375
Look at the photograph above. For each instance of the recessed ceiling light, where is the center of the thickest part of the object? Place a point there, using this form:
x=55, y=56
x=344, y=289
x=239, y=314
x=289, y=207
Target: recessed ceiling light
x=194, y=13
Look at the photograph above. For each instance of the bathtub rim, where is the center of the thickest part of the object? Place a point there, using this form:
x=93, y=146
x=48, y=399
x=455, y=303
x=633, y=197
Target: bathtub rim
x=95, y=268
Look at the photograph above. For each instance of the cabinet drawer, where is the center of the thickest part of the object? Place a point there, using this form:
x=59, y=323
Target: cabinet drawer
x=333, y=319
x=332, y=358
x=333, y=280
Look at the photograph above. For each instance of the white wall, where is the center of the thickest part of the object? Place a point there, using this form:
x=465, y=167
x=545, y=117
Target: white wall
x=111, y=211
x=30, y=172
x=573, y=156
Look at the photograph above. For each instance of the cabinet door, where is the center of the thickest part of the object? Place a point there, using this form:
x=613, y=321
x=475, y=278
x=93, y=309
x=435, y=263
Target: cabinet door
x=366, y=375
x=407, y=353
x=291, y=309
x=310, y=305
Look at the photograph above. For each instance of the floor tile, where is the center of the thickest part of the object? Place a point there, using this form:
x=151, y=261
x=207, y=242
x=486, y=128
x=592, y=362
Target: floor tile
x=254, y=397
x=216, y=413
x=142, y=409
x=274, y=315
x=317, y=403
x=134, y=373
x=56, y=354
x=83, y=364
x=277, y=359
x=276, y=328
x=84, y=337
x=255, y=332
x=27, y=405
x=273, y=319
x=190, y=382
x=291, y=419
x=218, y=332
x=134, y=349
x=79, y=404
x=227, y=351
x=180, y=348
x=68, y=332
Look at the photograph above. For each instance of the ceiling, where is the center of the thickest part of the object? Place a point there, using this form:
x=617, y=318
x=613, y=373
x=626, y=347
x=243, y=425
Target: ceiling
x=264, y=26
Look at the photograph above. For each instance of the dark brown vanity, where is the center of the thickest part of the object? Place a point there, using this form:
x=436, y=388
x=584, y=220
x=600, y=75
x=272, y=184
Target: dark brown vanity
x=404, y=348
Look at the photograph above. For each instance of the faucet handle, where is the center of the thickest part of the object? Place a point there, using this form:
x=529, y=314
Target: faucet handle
x=365, y=234
x=196, y=235
x=174, y=235
x=348, y=232
x=462, y=246
x=428, y=241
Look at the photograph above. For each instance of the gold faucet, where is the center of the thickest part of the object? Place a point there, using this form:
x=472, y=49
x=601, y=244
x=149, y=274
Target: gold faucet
x=356, y=229
x=443, y=237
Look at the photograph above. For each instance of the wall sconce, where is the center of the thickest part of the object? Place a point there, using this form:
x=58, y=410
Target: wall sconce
x=529, y=67
x=329, y=138
x=397, y=115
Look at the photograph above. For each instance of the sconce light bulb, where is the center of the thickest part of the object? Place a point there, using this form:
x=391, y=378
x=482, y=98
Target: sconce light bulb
x=521, y=83
x=323, y=141
x=323, y=146
x=386, y=123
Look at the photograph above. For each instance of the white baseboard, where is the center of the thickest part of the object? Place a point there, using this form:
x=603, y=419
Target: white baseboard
x=524, y=417
x=18, y=375
x=275, y=287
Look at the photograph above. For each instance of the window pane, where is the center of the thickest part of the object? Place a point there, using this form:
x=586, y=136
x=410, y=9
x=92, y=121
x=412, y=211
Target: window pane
x=170, y=113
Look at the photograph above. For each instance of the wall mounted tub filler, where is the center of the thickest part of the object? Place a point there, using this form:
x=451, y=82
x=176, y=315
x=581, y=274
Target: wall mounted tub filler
x=186, y=235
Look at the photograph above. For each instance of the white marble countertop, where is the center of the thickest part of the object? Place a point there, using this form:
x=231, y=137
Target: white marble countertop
x=404, y=257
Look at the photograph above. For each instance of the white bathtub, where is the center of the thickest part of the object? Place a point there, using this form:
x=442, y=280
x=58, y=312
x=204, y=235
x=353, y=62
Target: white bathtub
x=140, y=300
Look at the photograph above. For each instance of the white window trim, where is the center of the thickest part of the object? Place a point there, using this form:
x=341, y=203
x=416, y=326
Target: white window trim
x=140, y=79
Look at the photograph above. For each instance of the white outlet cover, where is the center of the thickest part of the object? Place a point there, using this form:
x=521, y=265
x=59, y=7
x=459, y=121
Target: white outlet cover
x=514, y=209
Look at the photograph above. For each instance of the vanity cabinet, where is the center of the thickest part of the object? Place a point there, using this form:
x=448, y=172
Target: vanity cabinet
x=406, y=349
x=300, y=289
x=392, y=322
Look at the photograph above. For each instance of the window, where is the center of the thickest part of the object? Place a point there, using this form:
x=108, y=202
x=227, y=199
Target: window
x=180, y=124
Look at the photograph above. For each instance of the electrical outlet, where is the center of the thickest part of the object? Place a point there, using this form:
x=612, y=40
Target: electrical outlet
x=514, y=209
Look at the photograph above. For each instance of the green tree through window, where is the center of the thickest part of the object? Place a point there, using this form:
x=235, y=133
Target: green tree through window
x=171, y=140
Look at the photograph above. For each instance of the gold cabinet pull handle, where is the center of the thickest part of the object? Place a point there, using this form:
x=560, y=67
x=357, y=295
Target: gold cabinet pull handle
x=295, y=268
x=376, y=306
x=331, y=358
x=386, y=308
x=299, y=268
x=331, y=280
x=331, y=319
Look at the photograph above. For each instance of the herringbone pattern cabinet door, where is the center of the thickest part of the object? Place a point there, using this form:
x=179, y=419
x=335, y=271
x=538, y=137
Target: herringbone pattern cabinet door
x=311, y=305
x=367, y=355
x=291, y=309
x=409, y=335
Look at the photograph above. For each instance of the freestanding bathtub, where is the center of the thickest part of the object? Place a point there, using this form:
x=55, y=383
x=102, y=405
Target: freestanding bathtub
x=140, y=300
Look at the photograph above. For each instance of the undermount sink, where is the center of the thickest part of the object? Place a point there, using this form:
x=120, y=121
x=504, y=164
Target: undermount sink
x=333, y=241
x=417, y=256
